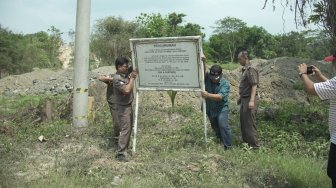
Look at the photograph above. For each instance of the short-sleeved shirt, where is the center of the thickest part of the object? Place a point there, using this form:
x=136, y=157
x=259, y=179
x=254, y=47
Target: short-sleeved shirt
x=327, y=90
x=119, y=81
x=249, y=78
x=222, y=88
x=110, y=97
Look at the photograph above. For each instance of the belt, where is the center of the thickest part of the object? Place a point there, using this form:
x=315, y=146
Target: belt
x=247, y=96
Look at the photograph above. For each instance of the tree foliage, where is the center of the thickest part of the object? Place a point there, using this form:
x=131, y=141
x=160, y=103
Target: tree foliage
x=321, y=12
x=228, y=31
x=110, y=39
x=232, y=35
x=21, y=53
x=258, y=42
x=156, y=25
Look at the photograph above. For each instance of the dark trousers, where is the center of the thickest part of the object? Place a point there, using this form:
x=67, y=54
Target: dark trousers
x=114, y=114
x=125, y=118
x=220, y=125
x=331, y=169
x=248, y=122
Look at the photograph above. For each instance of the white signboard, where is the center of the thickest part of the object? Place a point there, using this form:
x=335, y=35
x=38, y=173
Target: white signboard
x=170, y=63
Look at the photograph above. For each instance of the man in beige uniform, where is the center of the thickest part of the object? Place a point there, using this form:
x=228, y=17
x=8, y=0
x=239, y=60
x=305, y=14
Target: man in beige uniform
x=249, y=100
x=111, y=100
x=123, y=89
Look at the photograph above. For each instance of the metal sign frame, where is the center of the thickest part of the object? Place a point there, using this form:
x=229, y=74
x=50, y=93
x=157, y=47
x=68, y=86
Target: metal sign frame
x=168, y=63
x=177, y=67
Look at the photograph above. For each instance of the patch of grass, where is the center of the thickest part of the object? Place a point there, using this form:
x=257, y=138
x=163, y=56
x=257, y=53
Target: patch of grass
x=230, y=66
x=298, y=86
x=225, y=66
x=171, y=152
x=12, y=105
x=309, y=120
x=185, y=110
x=295, y=172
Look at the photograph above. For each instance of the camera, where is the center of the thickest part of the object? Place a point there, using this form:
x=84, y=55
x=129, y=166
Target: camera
x=310, y=70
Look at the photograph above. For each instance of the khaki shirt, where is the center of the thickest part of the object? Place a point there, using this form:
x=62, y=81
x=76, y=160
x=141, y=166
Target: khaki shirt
x=110, y=97
x=120, y=80
x=250, y=77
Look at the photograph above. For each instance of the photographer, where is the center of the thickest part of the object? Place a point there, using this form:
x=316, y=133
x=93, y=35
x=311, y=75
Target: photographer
x=325, y=89
x=123, y=83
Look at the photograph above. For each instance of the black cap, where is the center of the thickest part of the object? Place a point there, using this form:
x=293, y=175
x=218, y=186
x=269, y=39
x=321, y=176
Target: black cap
x=215, y=72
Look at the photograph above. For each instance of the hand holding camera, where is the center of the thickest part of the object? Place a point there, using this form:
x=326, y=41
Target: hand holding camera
x=310, y=70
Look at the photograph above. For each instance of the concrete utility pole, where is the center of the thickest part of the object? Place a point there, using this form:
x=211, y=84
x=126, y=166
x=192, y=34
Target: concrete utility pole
x=81, y=67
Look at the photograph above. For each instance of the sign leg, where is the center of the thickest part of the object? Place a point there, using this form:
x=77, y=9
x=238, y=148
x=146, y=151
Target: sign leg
x=135, y=120
x=204, y=120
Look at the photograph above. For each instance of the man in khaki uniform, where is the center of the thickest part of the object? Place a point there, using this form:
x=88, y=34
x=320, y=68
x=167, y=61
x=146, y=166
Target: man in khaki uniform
x=123, y=84
x=248, y=99
x=111, y=100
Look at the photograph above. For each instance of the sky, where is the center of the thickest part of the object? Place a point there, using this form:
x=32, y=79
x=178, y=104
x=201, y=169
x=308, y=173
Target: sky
x=31, y=16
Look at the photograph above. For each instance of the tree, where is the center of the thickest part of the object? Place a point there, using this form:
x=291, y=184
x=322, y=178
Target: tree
x=218, y=48
x=156, y=25
x=258, y=42
x=307, y=44
x=55, y=42
x=110, y=38
x=324, y=13
x=152, y=25
x=228, y=29
x=291, y=44
x=9, y=54
x=21, y=53
x=318, y=42
x=191, y=29
x=173, y=21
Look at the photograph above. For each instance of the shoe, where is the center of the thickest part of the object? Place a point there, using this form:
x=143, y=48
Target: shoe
x=255, y=147
x=121, y=158
x=227, y=147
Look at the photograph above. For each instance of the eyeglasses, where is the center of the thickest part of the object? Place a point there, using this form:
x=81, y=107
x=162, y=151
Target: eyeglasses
x=126, y=66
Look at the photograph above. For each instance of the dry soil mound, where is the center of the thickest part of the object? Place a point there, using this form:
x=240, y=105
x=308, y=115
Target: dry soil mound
x=279, y=81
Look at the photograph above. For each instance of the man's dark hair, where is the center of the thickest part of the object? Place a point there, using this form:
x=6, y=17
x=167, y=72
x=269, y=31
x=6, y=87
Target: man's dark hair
x=120, y=61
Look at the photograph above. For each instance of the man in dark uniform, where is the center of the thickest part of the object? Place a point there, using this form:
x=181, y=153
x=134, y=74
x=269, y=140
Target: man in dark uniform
x=123, y=84
x=111, y=100
x=248, y=99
